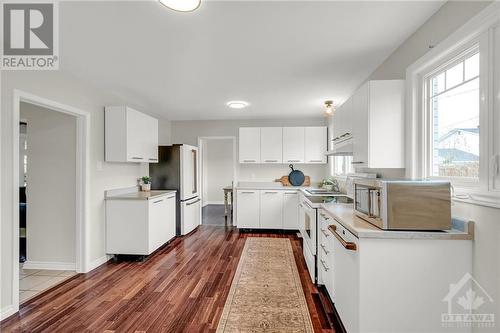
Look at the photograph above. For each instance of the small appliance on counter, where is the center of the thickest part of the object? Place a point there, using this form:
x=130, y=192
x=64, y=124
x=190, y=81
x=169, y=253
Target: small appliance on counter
x=404, y=204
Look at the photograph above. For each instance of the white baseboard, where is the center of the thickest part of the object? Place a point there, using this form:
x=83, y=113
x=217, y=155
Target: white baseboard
x=52, y=265
x=97, y=262
x=7, y=311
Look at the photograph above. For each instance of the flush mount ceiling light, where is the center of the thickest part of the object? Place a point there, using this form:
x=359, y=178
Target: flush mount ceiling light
x=237, y=104
x=329, y=108
x=181, y=5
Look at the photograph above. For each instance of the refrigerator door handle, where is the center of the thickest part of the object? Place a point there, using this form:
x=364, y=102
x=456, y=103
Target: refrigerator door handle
x=192, y=203
x=195, y=173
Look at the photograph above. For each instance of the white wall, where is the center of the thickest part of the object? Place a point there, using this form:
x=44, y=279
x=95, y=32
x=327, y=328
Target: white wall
x=60, y=87
x=486, y=249
x=51, y=185
x=189, y=131
x=218, y=169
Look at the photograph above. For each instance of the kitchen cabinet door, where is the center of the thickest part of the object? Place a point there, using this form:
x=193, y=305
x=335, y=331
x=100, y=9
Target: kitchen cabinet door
x=293, y=144
x=159, y=220
x=360, y=126
x=315, y=144
x=346, y=280
x=151, y=133
x=291, y=210
x=130, y=136
x=271, y=209
x=137, y=142
x=248, y=208
x=249, y=145
x=271, y=145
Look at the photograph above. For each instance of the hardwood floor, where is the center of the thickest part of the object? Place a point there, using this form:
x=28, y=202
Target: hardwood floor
x=180, y=288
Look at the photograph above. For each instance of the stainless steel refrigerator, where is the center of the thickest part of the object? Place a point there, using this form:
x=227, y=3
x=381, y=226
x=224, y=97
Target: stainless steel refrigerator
x=177, y=169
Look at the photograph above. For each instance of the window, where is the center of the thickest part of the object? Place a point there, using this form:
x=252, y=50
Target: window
x=453, y=107
x=342, y=165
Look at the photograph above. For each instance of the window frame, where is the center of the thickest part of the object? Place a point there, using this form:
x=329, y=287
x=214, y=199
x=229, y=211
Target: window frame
x=442, y=66
x=484, y=30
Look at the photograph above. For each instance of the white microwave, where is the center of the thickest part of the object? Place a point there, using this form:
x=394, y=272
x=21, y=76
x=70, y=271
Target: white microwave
x=403, y=204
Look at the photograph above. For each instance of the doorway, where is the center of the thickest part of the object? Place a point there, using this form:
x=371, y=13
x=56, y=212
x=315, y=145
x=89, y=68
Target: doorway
x=218, y=174
x=35, y=261
x=47, y=199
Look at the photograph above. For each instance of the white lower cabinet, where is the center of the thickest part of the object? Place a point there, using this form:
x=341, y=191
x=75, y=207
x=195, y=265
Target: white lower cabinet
x=390, y=284
x=271, y=209
x=248, y=208
x=325, y=253
x=267, y=209
x=139, y=227
x=290, y=210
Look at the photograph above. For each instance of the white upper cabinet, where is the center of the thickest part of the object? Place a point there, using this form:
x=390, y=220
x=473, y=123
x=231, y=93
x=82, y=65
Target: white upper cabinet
x=342, y=119
x=271, y=145
x=293, y=144
x=276, y=145
x=315, y=144
x=249, y=145
x=130, y=136
x=377, y=124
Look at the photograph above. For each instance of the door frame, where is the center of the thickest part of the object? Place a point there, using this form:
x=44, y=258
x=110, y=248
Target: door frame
x=200, y=162
x=82, y=181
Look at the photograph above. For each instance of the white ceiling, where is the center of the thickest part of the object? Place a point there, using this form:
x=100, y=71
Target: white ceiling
x=284, y=58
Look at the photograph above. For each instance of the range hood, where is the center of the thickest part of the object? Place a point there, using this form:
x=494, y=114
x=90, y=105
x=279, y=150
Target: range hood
x=342, y=146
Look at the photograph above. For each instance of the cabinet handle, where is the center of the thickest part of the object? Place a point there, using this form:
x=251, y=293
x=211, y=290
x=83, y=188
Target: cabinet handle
x=326, y=268
x=248, y=161
x=324, y=248
x=137, y=158
x=192, y=203
x=271, y=161
x=271, y=192
x=325, y=233
x=347, y=245
x=293, y=160
x=359, y=162
x=157, y=201
x=153, y=159
x=315, y=160
x=247, y=192
x=293, y=193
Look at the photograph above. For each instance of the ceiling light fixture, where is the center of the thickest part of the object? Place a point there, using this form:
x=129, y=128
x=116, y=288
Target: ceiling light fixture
x=181, y=5
x=237, y=104
x=329, y=108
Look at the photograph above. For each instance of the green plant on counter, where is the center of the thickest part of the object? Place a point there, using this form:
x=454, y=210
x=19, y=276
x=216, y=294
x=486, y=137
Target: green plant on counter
x=146, y=180
x=331, y=184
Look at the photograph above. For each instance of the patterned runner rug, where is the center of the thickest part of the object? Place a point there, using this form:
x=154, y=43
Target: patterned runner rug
x=266, y=294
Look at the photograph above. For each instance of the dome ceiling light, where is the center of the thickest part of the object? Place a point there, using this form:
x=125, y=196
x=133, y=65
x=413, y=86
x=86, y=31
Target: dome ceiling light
x=329, y=108
x=181, y=5
x=237, y=104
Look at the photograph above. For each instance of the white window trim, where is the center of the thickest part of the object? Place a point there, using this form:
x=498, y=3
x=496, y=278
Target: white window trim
x=477, y=30
x=473, y=47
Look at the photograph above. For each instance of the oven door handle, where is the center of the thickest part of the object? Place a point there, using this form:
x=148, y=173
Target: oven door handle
x=308, y=205
x=347, y=245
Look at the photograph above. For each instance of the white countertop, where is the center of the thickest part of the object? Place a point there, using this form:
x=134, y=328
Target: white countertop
x=268, y=186
x=344, y=214
x=138, y=195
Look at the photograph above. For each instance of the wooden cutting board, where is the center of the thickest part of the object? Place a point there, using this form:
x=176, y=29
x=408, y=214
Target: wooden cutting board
x=285, y=182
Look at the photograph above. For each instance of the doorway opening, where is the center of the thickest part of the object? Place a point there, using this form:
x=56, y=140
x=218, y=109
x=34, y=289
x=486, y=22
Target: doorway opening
x=218, y=174
x=49, y=193
x=47, y=199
